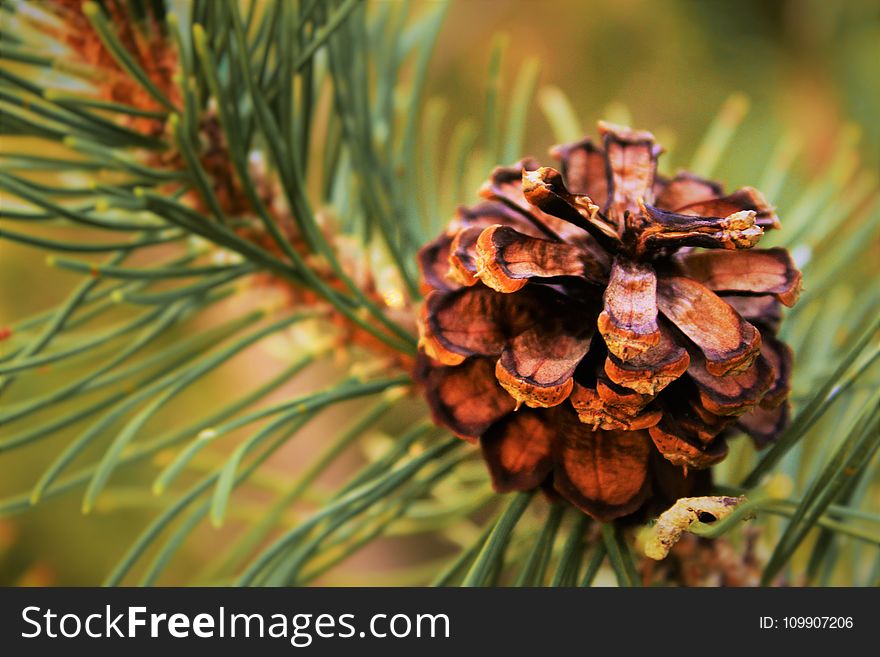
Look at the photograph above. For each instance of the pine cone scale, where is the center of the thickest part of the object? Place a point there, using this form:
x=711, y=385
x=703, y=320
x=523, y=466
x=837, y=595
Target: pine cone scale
x=687, y=189
x=537, y=367
x=728, y=342
x=654, y=369
x=628, y=321
x=764, y=271
x=585, y=169
x=632, y=161
x=603, y=473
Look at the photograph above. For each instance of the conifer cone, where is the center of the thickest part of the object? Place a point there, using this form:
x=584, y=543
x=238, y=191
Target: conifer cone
x=580, y=324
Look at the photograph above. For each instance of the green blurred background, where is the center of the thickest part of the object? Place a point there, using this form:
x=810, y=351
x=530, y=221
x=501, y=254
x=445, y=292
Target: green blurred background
x=808, y=67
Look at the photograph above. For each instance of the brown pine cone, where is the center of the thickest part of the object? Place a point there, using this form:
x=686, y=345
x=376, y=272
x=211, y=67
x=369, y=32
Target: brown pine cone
x=586, y=297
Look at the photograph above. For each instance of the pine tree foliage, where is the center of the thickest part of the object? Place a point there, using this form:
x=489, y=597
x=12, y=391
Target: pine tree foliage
x=272, y=195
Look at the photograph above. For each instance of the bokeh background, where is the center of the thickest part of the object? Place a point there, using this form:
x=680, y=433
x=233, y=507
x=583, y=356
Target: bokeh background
x=808, y=67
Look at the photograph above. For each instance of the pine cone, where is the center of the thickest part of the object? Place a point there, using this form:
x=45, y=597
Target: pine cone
x=586, y=295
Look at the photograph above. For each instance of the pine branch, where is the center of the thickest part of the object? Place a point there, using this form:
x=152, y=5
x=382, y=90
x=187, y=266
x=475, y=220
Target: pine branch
x=294, y=150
